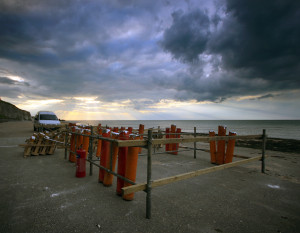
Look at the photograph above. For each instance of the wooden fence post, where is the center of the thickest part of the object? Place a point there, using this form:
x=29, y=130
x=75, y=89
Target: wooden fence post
x=91, y=150
x=195, y=143
x=264, y=140
x=149, y=173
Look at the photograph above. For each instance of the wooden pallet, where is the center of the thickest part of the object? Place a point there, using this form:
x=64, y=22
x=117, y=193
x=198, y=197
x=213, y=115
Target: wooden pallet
x=41, y=144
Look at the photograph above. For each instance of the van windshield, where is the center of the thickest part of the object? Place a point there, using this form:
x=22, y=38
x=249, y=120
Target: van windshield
x=48, y=117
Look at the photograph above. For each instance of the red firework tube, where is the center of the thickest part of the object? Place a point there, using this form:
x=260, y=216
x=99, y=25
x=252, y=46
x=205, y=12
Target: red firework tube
x=221, y=145
x=80, y=163
x=178, y=131
x=123, y=151
x=130, y=130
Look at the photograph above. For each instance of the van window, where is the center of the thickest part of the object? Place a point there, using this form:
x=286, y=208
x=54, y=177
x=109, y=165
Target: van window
x=48, y=117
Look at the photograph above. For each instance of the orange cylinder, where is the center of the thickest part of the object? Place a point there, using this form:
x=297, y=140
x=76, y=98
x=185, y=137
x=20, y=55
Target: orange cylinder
x=105, y=150
x=131, y=168
x=99, y=144
x=173, y=145
x=72, y=156
x=116, y=129
x=230, y=148
x=212, y=145
x=86, y=140
x=221, y=145
x=123, y=151
x=141, y=131
x=79, y=139
x=108, y=177
x=167, y=136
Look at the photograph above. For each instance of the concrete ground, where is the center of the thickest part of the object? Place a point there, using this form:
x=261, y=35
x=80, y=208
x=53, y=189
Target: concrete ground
x=42, y=194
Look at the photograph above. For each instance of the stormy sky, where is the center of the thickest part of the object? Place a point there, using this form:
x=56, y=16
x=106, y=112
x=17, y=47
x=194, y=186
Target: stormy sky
x=130, y=59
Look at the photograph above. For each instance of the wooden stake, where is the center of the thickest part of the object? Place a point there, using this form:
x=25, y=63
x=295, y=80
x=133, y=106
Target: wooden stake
x=148, y=185
x=263, y=151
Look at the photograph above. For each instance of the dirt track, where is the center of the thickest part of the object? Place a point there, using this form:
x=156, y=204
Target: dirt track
x=41, y=194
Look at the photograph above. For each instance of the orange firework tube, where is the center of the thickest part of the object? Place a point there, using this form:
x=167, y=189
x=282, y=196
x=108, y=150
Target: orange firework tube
x=105, y=149
x=72, y=156
x=99, y=144
x=173, y=131
x=80, y=141
x=108, y=177
x=141, y=131
x=116, y=129
x=230, y=148
x=86, y=140
x=167, y=136
x=123, y=151
x=221, y=145
x=131, y=167
x=212, y=148
x=130, y=130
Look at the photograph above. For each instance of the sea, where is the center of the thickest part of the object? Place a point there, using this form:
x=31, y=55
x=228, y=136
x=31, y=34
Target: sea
x=288, y=129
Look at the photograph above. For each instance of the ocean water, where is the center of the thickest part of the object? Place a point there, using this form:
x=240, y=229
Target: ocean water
x=289, y=129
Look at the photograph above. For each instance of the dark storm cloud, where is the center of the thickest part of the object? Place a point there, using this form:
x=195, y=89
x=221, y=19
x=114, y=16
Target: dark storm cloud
x=74, y=48
x=261, y=35
x=188, y=35
x=119, y=50
x=252, y=48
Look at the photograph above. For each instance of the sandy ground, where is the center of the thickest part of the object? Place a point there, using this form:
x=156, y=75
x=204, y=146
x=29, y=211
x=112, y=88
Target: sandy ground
x=42, y=194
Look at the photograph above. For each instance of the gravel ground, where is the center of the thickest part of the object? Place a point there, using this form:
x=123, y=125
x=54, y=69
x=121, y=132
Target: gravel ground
x=42, y=194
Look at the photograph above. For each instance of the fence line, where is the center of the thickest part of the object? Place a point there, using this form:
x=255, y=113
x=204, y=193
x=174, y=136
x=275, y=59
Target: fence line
x=149, y=143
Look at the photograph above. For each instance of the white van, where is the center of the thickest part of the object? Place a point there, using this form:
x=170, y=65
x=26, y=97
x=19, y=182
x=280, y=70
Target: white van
x=45, y=120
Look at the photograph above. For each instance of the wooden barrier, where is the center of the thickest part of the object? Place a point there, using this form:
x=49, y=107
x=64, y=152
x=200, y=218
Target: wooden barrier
x=149, y=143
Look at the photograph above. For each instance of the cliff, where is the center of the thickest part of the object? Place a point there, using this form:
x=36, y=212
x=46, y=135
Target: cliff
x=9, y=112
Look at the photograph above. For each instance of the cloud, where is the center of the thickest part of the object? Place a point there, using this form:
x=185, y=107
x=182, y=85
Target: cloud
x=267, y=96
x=8, y=81
x=140, y=53
x=188, y=35
x=240, y=48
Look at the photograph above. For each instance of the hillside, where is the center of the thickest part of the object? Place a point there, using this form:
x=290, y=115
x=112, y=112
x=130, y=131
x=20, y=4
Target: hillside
x=9, y=112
